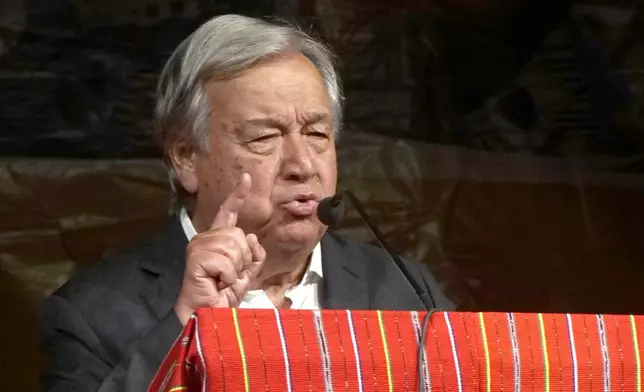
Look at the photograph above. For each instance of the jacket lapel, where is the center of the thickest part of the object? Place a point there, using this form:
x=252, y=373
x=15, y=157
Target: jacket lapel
x=344, y=285
x=164, y=260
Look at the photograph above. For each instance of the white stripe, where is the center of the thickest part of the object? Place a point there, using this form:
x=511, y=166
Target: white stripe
x=605, y=356
x=284, y=352
x=168, y=376
x=203, y=360
x=454, y=353
x=324, y=351
x=417, y=333
x=515, y=352
x=573, y=350
x=355, y=350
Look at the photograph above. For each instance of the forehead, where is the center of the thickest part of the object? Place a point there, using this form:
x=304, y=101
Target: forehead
x=277, y=87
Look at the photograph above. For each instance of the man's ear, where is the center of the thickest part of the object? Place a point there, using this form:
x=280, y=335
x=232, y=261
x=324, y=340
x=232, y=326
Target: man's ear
x=183, y=157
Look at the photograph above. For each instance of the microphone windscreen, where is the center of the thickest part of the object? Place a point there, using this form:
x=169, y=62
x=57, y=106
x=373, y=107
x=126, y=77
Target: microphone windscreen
x=331, y=210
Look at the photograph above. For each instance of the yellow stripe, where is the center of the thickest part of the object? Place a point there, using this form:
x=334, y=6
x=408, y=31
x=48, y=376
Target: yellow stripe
x=638, y=364
x=240, y=342
x=174, y=389
x=487, y=353
x=544, y=347
x=385, y=347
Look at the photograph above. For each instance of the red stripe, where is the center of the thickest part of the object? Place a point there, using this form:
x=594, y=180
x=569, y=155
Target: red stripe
x=444, y=370
x=217, y=334
x=474, y=330
x=303, y=350
x=338, y=335
x=435, y=355
x=402, y=357
x=467, y=351
x=315, y=350
x=619, y=340
x=178, y=354
x=410, y=347
x=528, y=336
x=500, y=346
x=373, y=368
x=263, y=349
x=194, y=374
x=589, y=360
x=559, y=352
x=218, y=339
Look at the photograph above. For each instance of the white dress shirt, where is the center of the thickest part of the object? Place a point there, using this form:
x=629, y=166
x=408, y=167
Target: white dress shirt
x=303, y=296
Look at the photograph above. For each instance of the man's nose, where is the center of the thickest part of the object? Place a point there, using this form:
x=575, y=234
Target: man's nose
x=297, y=162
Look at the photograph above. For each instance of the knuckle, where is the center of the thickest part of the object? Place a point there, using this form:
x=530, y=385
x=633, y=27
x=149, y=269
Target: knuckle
x=238, y=232
x=192, y=256
x=192, y=245
x=231, y=243
x=189, y=278
x=235, y=264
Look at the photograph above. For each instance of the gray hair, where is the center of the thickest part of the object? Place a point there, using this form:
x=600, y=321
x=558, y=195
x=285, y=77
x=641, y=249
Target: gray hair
x=221, y=48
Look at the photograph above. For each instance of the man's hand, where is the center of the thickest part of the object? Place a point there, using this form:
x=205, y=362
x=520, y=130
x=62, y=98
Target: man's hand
x=221, y=262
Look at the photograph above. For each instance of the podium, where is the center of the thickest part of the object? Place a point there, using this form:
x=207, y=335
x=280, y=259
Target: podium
x=349, y=350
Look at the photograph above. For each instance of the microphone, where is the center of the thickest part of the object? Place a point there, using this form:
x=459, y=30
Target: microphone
x=331, y=212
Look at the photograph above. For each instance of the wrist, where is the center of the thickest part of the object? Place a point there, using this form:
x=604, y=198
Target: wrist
x=183, y=313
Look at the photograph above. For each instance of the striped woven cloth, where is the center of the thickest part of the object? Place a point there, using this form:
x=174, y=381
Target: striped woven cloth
x=342, y=350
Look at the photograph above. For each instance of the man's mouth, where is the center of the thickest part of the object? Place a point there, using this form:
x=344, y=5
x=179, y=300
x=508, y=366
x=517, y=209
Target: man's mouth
x=302, y=206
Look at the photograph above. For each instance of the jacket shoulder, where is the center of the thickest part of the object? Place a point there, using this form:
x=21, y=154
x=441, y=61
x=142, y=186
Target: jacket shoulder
x=116, y=274
x=106, y=297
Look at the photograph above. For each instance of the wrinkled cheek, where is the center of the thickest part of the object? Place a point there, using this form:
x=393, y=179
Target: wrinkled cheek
x=331, y=185
x=256, y=213
x=330, y=178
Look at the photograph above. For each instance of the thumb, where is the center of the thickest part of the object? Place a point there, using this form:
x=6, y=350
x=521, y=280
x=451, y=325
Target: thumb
x=240, y=287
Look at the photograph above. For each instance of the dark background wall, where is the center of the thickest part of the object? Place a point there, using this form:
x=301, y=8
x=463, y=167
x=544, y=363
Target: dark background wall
x=500, y=142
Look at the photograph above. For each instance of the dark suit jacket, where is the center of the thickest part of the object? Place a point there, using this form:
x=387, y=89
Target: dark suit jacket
x=109, y=328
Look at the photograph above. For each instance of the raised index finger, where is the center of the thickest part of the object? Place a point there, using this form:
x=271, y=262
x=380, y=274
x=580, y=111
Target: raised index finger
x=229, y=209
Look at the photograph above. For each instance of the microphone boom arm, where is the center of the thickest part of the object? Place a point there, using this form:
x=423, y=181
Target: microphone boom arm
x=424, y=296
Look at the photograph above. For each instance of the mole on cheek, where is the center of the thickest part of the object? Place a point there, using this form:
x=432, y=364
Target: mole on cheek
x=218, y=174
x=254, y=161
x=238, y=166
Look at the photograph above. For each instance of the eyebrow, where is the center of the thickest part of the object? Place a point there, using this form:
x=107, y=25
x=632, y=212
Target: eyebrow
x=279, y=122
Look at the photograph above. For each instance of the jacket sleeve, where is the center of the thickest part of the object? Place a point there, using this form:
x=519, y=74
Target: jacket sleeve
x=80, y=362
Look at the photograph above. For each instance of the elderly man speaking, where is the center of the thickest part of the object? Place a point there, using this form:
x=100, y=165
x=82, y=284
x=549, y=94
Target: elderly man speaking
x=248, y=114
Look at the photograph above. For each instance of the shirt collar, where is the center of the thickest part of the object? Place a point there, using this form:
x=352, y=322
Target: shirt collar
x=313, y=271
x=315, y=265
x=186, y=223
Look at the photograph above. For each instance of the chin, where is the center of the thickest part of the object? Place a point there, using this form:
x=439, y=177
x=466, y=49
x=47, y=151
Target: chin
x=300, y=233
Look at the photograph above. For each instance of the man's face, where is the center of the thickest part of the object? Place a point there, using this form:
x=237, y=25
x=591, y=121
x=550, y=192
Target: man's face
x=274, y=122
